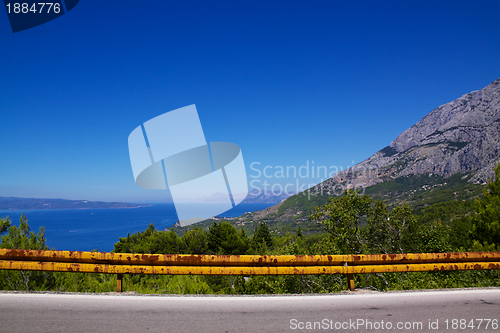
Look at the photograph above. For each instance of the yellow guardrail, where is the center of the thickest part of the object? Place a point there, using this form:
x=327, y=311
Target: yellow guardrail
x=181, y=264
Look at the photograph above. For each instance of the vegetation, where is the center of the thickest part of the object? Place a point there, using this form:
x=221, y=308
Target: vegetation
x=351, y=223
x=486, y=222
x=23, y=238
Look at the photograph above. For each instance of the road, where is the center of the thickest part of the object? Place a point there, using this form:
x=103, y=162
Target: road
x=348, y=312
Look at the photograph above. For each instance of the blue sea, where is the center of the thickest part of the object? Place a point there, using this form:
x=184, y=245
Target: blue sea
x=89, y=229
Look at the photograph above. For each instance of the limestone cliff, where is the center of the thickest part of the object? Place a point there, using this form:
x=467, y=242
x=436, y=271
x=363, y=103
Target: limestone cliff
x=458, y=137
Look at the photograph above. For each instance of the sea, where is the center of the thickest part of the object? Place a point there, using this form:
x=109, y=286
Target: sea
x=91, y=229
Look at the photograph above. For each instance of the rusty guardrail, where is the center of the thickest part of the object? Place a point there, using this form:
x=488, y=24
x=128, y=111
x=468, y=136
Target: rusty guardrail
x=179, y=264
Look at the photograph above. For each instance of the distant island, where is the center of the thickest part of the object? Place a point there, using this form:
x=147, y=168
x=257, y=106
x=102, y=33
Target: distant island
x=255, y=196
x=13, y=203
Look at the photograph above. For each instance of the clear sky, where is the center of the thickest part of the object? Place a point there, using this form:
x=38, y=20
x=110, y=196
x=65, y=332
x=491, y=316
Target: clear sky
x=290, y=82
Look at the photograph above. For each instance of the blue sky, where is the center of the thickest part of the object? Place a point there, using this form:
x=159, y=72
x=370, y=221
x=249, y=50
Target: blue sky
x=288, y=81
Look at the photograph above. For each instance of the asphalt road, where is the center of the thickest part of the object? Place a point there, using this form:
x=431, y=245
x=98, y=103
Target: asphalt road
x=374, y=312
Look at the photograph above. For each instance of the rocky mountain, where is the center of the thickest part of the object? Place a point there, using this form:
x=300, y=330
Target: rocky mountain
x=462, y=136
x=446, y=156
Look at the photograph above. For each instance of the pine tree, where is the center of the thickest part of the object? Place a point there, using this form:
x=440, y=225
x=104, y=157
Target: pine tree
x=487, y=218
x=299, y=232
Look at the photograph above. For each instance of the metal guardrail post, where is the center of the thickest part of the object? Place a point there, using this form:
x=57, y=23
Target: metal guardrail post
x=350, y=281
x=119, y=277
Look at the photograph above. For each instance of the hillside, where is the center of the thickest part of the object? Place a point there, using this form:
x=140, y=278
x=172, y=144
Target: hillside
x=447, y=156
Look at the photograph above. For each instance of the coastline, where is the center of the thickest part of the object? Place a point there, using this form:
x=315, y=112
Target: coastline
x=73, y=208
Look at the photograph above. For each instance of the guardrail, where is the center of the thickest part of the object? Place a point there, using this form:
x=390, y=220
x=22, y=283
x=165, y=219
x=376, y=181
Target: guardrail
x=182, y=264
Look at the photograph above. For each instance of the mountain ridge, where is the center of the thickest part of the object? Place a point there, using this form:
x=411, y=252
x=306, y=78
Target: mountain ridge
x=461, y=136
x=447, y=155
